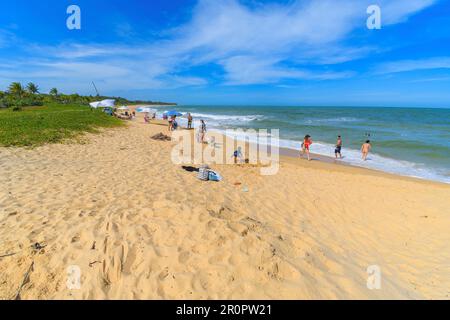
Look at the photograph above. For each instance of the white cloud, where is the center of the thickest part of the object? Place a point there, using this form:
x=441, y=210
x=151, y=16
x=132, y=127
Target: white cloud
x=396, y=11
x=7, y=38
x=267, y=43
x=438, y=79
x=250, y=70
x=124, y=30
x=413, y=65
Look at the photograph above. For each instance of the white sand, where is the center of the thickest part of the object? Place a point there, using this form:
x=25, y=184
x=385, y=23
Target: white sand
x=140, y=227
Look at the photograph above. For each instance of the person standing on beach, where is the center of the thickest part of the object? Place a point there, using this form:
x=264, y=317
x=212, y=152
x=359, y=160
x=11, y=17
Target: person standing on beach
x=190, y=121
x=174, y=124
x=171, y=120
x=307, y=142
x=338, y=149
x=237, y=155
x=365, y=149
x=202, y=131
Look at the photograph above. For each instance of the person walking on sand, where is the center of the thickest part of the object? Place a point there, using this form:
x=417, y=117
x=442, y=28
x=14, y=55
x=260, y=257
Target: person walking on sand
x=307, y=142
x=174, y=124
x=237, y=154
x=365, y=149
x=170, y=123
x=338, y=149
x=189, y=121
x=202, y=131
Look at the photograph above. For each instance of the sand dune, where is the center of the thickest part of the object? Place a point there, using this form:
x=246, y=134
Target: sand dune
x=140, y=227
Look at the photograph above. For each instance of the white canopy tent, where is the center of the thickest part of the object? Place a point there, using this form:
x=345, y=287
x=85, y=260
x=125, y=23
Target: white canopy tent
x=95, y=105
x=103, y=104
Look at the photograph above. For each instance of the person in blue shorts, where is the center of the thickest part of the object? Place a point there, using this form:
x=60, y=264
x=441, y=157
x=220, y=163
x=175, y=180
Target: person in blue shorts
x=338, y=149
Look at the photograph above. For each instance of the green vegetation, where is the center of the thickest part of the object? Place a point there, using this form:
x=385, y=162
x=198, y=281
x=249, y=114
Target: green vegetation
x=18, y=96
x=52, y=123
x=32, y=88
x=29, y=118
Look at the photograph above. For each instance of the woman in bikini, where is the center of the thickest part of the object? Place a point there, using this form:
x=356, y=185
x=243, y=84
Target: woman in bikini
x=307, y=142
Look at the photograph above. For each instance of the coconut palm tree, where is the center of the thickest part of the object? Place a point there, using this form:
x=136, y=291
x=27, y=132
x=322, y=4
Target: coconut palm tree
x=32, y=88
x=54, y=92
x=16, y=89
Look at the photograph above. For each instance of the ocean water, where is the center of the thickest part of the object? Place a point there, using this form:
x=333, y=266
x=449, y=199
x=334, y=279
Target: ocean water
x=407, y=141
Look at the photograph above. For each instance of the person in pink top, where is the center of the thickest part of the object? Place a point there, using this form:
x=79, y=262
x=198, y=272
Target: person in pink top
x=307, y=142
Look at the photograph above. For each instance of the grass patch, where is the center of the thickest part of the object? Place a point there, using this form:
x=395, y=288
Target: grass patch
x=52, y=123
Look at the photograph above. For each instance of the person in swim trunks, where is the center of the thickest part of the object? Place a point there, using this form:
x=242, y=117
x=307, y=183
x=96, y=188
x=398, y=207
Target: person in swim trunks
x=338, y=149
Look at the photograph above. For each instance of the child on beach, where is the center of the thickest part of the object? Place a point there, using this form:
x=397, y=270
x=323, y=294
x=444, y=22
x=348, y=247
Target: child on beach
x=365, y=149
x=307, y=142
x=237, y=154
x=338, y=149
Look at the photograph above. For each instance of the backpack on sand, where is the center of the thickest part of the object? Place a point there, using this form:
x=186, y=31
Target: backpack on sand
x=203, y=173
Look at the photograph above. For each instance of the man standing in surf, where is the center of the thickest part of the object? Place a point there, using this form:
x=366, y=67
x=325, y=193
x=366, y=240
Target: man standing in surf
x=338, y=149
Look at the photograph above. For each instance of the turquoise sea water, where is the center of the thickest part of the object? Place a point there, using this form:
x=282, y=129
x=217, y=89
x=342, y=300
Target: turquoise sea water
x=407, y=141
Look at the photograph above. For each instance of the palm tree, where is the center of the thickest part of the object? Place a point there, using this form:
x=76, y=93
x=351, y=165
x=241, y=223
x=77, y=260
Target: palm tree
x=16, y=89
x=54, y=92
x=32, y=88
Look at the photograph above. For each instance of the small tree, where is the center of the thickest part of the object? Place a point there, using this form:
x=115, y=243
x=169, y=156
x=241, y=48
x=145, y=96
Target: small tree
x=54, y=92
x=16, y=89
x=32, y=88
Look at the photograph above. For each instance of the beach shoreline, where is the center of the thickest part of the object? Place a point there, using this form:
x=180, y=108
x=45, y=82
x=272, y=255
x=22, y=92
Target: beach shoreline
x=416, y=146
x=293, y=156
x=140, y=227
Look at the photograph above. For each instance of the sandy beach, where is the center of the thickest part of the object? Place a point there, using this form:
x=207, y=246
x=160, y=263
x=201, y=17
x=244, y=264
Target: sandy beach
x=140, y=227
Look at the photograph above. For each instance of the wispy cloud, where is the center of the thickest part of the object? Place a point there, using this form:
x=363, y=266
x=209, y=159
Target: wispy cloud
x=437, y=79
x=267, y=43
x=7, y=38
x=125, y=30
x=413, y=65
x=400, y=10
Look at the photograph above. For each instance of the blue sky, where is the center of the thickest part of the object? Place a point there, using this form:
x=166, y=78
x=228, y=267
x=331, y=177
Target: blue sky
x=310, y=52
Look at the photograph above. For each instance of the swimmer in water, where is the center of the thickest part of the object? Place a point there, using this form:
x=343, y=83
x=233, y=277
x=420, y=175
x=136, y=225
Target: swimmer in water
x=365, y=149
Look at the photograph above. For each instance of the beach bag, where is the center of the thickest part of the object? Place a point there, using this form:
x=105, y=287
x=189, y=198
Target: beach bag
x=214, y=176
x=203, y=173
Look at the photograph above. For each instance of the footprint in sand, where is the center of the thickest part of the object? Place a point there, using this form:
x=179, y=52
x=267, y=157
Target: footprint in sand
x=112, y=268
x=164, y=274
x=184, y=257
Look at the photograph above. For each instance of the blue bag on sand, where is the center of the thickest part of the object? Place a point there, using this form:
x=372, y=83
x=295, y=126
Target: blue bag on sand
x=214, y=176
